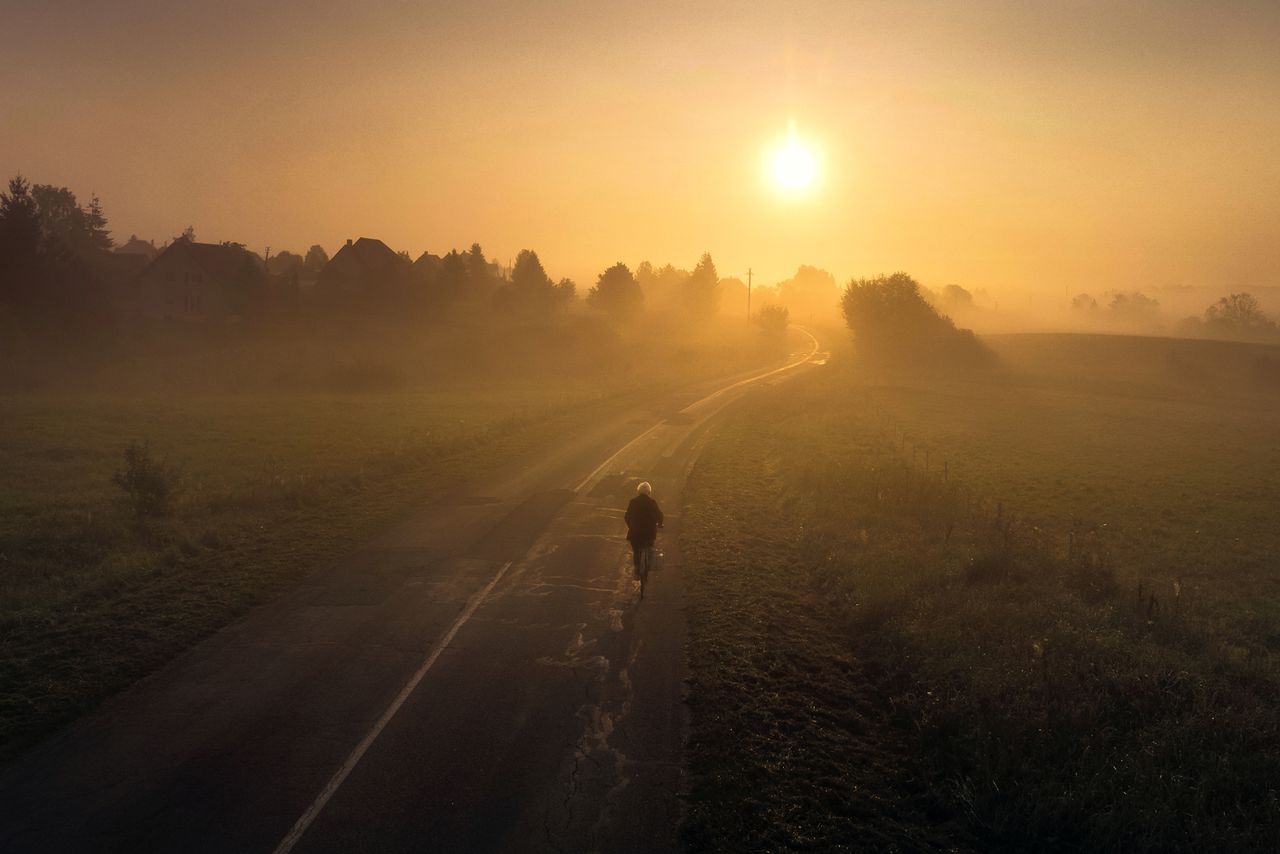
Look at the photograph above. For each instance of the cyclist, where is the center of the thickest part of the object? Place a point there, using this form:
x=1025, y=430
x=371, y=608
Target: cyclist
x=643, y=518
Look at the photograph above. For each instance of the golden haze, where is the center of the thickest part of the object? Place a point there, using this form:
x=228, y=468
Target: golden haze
x=1007, y=146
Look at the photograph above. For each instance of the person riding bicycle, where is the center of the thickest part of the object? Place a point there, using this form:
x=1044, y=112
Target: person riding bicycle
x=643, y=518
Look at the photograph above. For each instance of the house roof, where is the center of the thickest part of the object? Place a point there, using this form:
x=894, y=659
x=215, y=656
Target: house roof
x=371, y=254
x=136, y=246
x=428, y=261
x=215, y=259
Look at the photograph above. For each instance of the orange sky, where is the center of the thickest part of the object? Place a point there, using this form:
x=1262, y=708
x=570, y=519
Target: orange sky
x=1005, y=146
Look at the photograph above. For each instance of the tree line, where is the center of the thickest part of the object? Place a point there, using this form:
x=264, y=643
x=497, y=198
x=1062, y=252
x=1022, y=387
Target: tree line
x=56, y=255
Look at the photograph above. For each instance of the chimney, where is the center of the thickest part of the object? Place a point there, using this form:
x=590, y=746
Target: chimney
x=348, y=241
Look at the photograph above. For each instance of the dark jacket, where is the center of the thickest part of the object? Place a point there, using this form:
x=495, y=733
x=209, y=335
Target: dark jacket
x=643, y=518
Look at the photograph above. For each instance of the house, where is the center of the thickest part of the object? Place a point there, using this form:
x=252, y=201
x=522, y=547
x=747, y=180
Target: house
x=199, y=282
x=428, y=267
x=137, y=246
x=364, y=268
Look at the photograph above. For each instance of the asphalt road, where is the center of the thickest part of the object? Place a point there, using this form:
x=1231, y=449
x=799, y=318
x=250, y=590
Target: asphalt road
x=482, y=677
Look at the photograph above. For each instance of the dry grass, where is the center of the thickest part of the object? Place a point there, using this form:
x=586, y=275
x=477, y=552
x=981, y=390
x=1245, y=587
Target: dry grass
x=1020, y=620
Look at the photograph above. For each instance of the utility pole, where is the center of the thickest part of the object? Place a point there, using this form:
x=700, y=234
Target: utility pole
x=748, y=294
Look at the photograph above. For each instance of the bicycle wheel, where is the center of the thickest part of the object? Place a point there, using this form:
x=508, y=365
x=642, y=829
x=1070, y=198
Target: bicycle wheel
x=646, y=563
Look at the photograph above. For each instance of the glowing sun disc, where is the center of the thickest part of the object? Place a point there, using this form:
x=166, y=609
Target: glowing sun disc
x=793, y=166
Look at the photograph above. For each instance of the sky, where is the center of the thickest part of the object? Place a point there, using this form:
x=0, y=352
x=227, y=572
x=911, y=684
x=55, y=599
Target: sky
x=1038, y=149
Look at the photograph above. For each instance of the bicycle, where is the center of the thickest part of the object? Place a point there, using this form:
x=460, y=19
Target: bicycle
x=648, y=555
x=648, y=558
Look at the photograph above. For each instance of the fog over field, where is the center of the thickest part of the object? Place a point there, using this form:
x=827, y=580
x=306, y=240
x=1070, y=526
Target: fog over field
x=604, y=427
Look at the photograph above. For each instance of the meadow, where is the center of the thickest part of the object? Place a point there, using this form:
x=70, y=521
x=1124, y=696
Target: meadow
x=1030, y=608
x=285, y=454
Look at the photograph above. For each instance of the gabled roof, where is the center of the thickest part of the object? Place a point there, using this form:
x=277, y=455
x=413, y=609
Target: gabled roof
x=136, y=246
x=371, y=254
x=427, y=261
x=218, y=261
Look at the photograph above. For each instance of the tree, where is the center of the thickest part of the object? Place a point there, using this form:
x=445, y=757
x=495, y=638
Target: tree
x=451, y=283
x=957, y=299
x=96, y=226
x=701, y=291
x=1084, y=303
x=285, y=263
x=66, y=227
x=893, y=324
x=531, y=290
x=810, y=291
x=1134, y=308
x=616, y=292
x=315, y=258
x=478, y=269
x=528, y=273
x=188, y=234
x=773, y=320
x=19, y=243
x=1239, y=316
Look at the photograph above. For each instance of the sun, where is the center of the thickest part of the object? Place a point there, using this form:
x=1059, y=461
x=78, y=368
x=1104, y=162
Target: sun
x=793, y=165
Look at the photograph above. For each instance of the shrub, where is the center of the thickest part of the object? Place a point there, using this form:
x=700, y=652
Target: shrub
x=151, y=484
x=892, y=324
x=773, y=320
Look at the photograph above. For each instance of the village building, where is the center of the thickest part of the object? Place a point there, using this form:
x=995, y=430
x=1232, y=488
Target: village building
x=137, y=246
x=428, y=267
x=366, y=268
x=199, y=282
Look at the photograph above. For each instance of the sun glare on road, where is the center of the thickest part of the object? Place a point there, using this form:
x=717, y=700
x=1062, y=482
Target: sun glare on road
x=793, y=165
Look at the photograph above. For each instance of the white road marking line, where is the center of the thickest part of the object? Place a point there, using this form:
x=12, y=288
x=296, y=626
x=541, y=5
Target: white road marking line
x=604, y=465
x=304, y=822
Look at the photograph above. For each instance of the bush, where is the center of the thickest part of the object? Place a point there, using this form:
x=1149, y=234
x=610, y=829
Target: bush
x=151, y=484
x=773, y=320
x=893, y=324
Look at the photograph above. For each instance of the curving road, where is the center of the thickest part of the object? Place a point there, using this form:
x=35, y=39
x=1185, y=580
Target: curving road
x=479, y=678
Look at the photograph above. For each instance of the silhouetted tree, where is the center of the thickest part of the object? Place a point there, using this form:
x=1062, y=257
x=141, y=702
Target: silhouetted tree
x=1239, y=316
x=54, y=267
x=810, y=291
x=531, y=291
x=315, y=258
x=285, y=263
x=773, y=320
x=478, y=270
x=67, y=229
x=893, y=324
x=528, y=273
x=644, y=274
x=451, y=283
x=1240, y=310
x=617, y=292
x=1084, y=303
x=661, y=285
x=701, y=291
x=19, y=244
x=956, y=298
x=1134, y=308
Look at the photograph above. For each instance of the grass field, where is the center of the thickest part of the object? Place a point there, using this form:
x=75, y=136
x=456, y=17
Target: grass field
x=271, y=484
x=1068, y=640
